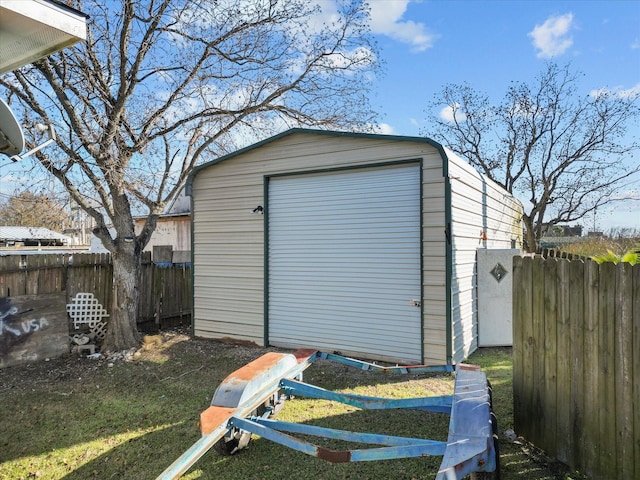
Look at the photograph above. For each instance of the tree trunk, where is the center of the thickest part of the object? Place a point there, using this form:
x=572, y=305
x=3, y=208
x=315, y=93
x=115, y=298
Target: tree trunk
x=122, y=331
x=531, y=242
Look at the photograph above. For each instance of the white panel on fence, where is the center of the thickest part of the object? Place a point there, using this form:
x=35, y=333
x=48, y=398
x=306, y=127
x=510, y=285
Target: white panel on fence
x=495, y=293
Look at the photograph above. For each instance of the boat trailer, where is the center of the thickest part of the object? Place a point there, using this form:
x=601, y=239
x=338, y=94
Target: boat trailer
x=243, y=402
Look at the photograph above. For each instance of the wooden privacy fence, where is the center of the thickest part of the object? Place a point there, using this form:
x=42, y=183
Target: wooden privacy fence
x=576, y=362
x=165, y=293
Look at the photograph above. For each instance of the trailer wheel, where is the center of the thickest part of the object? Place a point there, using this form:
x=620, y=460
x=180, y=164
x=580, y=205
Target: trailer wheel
x=232, y=442
x=237, y=439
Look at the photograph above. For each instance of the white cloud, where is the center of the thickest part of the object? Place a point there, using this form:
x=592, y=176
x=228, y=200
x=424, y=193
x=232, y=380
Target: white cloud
x=386, y=19
x=450, y=113
x=633, y=92
x=635, y=44
x=384, y=129
x=323, y=13
x=553, y=38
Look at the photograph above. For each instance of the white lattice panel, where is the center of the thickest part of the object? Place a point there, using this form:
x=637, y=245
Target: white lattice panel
x=86, y=310
x=99, y=330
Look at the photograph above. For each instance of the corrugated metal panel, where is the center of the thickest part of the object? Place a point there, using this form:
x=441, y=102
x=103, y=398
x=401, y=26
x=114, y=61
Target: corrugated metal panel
x=344, y=261
x=30, y=233
x=477, y=205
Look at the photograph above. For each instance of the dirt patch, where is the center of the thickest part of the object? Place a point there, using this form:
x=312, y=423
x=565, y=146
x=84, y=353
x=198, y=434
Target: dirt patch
x=155, y=348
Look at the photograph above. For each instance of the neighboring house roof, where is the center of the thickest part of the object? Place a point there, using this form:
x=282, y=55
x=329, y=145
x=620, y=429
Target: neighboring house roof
x=552, y=242
x=19, y=234
x=180, y=206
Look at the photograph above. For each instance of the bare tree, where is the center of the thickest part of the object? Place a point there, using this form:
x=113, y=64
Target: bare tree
x=162, y=85
x=561, y=153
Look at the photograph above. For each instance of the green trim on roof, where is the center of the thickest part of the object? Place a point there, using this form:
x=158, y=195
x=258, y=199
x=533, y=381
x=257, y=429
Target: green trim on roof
x=310, y=131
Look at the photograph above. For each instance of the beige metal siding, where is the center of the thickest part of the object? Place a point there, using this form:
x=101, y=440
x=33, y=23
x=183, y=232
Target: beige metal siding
x=434, y=254
x=229, y=240
x=477, y=206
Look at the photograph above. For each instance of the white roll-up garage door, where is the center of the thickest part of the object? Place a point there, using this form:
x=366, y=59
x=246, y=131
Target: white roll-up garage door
x=344, y=261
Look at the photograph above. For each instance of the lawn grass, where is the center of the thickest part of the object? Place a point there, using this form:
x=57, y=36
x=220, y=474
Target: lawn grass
x=78, y=419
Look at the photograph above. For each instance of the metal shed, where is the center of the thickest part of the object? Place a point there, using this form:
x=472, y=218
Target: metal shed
x=357, y=243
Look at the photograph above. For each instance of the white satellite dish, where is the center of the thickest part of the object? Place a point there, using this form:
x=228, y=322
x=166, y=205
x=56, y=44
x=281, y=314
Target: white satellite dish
x=11, y=137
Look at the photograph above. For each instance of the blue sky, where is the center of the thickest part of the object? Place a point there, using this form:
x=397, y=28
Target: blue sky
x=427, y=44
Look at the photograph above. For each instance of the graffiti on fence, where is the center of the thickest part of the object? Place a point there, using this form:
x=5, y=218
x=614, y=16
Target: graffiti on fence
x=13, y=329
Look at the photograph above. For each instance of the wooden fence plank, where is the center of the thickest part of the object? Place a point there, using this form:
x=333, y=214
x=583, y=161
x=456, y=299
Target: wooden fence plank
x=32, y=273
x=522, y=268
x=161, y=295
x=550, y=354
x=536, y=345
x=164, y=292
x=636, y=367
x=606, y=368
x=591, y=380
x=516, y=301
x=12, y=276
x=623, y=372
x=563, y=349
x=576, y=327
x=145, y=295
x=168, y=292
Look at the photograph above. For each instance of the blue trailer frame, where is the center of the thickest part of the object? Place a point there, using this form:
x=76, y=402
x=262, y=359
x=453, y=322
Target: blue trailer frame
x=243, y=402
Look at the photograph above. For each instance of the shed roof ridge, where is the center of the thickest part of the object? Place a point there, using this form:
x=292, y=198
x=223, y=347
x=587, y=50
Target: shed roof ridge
x=316, y=131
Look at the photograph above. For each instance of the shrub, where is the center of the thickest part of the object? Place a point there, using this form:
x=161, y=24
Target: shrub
x=629, y=257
